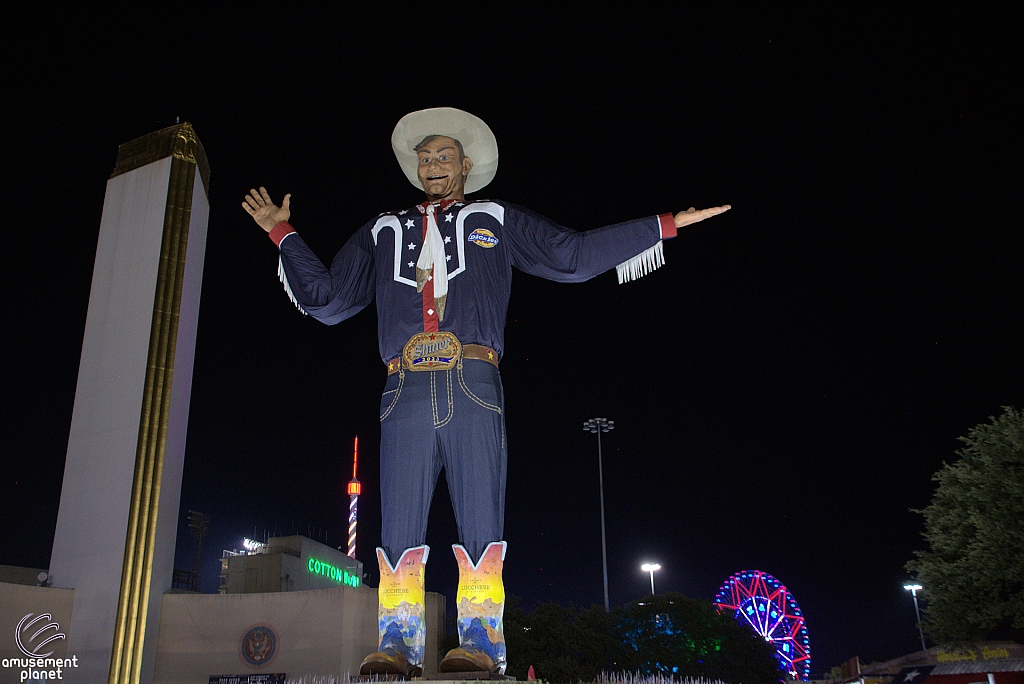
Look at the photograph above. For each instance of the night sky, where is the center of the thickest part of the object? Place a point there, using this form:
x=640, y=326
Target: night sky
x=783, y=389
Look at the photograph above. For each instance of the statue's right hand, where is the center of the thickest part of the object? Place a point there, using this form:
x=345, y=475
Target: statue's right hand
x=264, y=211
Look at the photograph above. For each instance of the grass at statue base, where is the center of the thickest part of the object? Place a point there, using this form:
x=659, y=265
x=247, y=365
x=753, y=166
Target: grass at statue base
x=604, y=678
x=639, y=678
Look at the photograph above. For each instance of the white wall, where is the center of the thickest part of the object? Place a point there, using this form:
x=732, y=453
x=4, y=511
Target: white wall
x=89, y=543
x=18, y=600
x=88, y=546
x=320, y=632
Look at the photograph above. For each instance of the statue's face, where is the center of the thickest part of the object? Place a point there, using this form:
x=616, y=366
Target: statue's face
x=441, y=172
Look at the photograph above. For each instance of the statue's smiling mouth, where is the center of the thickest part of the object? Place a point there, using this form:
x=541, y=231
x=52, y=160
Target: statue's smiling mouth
x=432, y=178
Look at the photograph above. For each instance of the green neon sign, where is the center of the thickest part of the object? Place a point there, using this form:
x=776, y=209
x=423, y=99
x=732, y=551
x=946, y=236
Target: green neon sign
x=330, y=572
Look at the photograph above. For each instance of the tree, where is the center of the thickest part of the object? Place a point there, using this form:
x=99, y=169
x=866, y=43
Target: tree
x=666, y=634
x=675, y=635
x=563, y=644
x=973, y=570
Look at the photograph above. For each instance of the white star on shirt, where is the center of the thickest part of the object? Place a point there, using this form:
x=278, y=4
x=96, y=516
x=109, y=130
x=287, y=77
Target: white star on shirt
x=411, y=264
x=448, y=218
x=410, y=223
x=447, y=239
x=412, y=245
x=458, y=204
x=447, y=257
x=911, y=676
x=403, y=212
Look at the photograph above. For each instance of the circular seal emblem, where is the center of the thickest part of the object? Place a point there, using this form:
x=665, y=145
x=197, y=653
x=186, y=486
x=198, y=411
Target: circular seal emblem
x=483, y=237
x=259, y=645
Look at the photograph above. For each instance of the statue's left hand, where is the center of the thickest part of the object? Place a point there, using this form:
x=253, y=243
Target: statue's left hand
x=691, y=215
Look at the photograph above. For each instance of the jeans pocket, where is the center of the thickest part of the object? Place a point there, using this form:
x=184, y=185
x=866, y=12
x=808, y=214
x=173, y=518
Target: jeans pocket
x=389, y=398
x=490, y=406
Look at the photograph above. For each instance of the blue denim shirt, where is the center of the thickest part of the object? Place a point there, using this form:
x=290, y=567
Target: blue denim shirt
x=484, y=240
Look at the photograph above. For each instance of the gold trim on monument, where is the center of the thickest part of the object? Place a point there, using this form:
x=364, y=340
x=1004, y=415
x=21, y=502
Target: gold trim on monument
x=140, y=541
x=178, y=141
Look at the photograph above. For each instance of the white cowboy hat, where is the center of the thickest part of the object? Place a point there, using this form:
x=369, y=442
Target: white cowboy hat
x=477, y=140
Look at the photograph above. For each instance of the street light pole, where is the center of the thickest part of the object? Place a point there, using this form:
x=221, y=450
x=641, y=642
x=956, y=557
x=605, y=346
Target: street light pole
x=913, y=589
x=597, y=426
x=651, y=567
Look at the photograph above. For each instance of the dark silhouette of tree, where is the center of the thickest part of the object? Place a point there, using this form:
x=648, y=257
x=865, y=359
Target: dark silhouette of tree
x=669, y=634
x=676, y=635
x=973, y=569
x=563, y=644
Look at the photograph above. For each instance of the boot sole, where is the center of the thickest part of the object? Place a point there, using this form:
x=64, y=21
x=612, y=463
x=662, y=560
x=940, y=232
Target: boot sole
x=379, y=668
x=460, y=665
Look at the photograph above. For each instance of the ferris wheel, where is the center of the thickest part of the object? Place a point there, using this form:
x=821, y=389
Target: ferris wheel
x=761, y=602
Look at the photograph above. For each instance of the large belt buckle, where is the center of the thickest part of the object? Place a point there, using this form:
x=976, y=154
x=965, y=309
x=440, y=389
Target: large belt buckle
x=432, y=351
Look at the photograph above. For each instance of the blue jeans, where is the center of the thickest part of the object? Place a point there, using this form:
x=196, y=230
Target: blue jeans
x=453, y=419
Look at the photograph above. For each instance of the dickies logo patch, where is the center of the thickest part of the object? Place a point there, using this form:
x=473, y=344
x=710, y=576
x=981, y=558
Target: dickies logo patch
x=483, y=237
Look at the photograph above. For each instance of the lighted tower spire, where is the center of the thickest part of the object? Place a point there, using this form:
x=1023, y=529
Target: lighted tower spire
x=353, y=501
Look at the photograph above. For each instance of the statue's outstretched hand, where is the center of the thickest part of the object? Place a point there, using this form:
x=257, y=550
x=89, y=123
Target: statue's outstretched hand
x=691, y=215
x=266, y=213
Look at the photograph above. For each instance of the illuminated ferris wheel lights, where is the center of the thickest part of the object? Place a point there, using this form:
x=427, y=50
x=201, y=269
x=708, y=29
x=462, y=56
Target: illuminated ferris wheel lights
x=763, y=603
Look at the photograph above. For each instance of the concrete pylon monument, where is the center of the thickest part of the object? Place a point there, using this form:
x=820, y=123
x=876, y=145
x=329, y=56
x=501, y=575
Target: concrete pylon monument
x=118, y=516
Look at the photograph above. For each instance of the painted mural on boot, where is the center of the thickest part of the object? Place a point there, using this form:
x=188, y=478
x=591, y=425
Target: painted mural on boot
x=400, y=604
x=481, y=602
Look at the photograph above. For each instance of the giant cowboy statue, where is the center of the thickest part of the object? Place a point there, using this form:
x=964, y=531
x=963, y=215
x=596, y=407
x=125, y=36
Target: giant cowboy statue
x=441, y=273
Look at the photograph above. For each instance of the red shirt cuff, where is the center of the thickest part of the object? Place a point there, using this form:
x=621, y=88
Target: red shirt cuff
x=668, y=225
x=279, y=232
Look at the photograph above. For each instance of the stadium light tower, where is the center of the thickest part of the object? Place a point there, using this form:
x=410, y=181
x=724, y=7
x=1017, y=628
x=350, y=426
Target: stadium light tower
x=354, y=488
x=597, y=426
x=913, y=588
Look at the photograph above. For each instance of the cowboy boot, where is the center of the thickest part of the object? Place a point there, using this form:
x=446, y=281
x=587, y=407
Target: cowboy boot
x=481, y=601
x=400, y=625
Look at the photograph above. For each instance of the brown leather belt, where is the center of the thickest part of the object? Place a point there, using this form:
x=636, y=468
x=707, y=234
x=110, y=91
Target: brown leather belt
x=469, y=351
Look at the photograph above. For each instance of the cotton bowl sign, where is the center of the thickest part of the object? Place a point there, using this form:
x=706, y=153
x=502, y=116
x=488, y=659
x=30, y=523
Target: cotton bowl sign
x=327, y=570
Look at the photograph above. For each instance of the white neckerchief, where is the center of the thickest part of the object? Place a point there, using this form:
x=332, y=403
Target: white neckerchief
x=432, y=264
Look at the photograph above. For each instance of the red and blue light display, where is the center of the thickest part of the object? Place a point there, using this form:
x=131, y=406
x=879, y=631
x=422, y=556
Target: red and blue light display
x=761, y=602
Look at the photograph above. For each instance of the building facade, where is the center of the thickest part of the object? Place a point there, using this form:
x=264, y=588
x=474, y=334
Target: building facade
x=307, y=634
x=293, y=563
